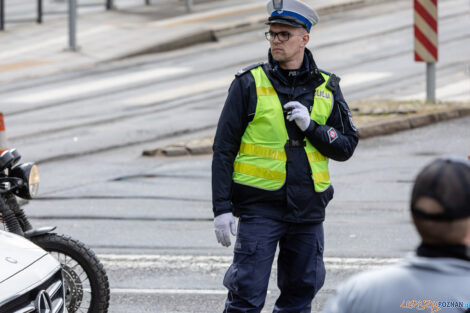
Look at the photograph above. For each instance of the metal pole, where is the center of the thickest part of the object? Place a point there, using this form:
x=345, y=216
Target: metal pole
x=189, y=5
x=39, y=19
x=431, y=82
x=72, y=24
x=2, y=15
x=109, y=4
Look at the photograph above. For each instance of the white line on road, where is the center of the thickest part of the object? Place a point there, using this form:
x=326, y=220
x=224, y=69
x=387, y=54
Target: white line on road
x=118, y=262
x=457, y=91
x=352, y=79
x=205, y=263
x=181, y=91
x=168, y=291
x=90, y=86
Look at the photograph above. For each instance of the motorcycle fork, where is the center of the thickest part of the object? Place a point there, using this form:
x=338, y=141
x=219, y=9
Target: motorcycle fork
x=9, y=217
x=28, y=230
x=12, y=203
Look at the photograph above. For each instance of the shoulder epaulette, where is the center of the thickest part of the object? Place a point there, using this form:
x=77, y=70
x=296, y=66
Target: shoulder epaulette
x=325, y=72
x=333, y=82
x=248, y=68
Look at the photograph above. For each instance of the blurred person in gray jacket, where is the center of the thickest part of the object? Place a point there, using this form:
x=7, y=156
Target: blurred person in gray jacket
x=436, y=277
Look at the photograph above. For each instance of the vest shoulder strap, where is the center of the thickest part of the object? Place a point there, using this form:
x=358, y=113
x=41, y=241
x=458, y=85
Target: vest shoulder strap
x=248, y=68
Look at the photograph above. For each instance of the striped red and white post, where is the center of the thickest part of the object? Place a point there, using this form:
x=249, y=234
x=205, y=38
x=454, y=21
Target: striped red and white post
x=426, y=31
x=426, y=41
x=3, y=136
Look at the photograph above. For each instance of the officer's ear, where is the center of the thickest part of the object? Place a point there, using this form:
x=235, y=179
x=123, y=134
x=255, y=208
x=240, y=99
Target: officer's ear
x=305, y=38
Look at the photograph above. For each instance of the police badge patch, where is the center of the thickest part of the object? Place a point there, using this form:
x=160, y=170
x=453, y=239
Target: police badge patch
x=332, y=134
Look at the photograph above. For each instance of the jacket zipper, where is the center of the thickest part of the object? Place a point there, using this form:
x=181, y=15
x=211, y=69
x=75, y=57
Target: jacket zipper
x=292, y=90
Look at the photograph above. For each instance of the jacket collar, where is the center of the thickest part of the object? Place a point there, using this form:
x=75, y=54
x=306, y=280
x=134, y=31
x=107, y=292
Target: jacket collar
x=444, y=251
x=309, y=69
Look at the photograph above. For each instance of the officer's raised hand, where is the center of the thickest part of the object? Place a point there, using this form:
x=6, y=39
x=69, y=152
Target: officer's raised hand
x=223, y=224
x=298, y=113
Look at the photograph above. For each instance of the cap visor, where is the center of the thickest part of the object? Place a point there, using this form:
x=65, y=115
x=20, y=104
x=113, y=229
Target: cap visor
x=283, y=21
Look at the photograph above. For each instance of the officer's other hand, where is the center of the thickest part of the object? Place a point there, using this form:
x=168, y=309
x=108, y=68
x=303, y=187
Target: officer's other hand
x=223, y=224
x=299, y=113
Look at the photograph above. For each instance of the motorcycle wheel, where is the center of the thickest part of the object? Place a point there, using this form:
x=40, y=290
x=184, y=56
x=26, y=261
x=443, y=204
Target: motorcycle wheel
x=86, y=282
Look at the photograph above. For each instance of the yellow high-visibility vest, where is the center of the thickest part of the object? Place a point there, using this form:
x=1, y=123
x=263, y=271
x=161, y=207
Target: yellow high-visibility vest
x=261, y=161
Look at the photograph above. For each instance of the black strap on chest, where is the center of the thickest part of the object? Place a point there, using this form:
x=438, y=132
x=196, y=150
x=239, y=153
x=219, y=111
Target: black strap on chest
x=292, y=143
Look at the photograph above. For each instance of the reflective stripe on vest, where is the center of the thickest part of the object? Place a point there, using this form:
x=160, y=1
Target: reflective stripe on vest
x=261, y=161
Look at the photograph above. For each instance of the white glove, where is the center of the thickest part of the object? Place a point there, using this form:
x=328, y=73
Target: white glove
x=299, y=113
x=222, y=224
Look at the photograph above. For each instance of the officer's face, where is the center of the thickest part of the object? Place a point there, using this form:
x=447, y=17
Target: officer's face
x=292, y=49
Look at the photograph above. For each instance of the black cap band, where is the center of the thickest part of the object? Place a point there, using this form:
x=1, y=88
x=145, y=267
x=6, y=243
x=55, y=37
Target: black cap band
x=286, y=20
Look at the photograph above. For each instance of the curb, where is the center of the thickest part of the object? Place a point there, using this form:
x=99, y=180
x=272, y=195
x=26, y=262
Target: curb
x=390, y=127
x=215, y=33
x=184, y=41
x=194, y=147
x=204, y=146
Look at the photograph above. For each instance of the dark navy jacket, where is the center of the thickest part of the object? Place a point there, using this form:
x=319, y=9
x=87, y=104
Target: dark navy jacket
x=297, y=200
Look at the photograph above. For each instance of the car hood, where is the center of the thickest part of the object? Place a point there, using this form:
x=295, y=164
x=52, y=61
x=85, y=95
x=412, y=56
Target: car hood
x=16, y=253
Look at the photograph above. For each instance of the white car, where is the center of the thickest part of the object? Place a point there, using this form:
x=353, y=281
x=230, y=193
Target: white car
x=30, y=279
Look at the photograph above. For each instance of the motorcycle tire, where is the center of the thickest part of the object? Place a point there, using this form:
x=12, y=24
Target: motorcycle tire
x=83, y=294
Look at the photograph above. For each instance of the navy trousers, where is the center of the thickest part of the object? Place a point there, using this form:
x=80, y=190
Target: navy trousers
x=301, y=271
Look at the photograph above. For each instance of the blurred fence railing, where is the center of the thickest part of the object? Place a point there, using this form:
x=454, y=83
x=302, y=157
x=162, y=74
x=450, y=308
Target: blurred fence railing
x=39, y=13
x=109, y=4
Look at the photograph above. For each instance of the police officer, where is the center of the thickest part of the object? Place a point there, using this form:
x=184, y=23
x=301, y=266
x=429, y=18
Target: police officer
x=282, y=122
x=437, y=276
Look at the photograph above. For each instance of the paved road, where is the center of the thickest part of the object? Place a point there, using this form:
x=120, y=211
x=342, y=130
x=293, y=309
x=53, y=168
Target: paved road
x=150, y=219
x=153, y=228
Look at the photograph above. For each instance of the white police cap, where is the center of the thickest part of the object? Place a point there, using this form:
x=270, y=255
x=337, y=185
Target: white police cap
x=291, y=12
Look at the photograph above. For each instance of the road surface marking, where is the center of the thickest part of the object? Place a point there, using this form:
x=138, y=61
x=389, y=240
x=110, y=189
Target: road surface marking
x=208, y=263
x=361, y=78
x=90, y=86
x=118, y=262
x=457, y=91
x=179, y=92
x=169, y=291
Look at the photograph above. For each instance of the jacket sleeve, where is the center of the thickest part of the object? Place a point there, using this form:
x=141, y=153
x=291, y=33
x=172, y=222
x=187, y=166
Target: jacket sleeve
x=232, y=124
x=338, y=138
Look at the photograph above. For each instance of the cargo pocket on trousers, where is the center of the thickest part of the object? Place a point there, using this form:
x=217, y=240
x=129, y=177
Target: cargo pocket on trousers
x=239, y=274
x=244, y=251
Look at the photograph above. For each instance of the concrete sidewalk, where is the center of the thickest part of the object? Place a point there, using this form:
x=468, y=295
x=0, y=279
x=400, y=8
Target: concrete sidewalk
x=32, y=50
